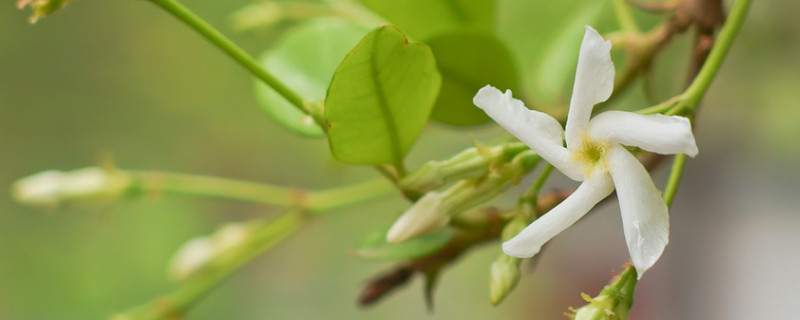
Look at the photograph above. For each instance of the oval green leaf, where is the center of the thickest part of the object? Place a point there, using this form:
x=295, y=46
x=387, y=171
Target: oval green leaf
x=380, y=98
x=305, y=58
x=469, y=61
x=375, y=247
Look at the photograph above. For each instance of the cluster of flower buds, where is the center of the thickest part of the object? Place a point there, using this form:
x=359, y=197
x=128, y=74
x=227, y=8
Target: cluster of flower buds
x=53, y=188
x=435, y=209
x=613, y=302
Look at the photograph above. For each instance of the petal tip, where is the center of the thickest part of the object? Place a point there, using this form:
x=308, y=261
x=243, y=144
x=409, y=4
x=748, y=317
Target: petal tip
x=486, y=96
x=643, y=261
x=514, y=249
x=593, y=33
x=693, y=151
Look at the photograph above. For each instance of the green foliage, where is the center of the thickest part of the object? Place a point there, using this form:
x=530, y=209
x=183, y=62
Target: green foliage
x=380, y=98
x=375, y=247
x=305, y=58
x=423, y=19
x=488, y=62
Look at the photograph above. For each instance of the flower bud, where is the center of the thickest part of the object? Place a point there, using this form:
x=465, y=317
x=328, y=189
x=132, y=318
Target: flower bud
x=191, y=257
x=503, y=277
x=427, y=215
x=52, y=188
x=434, y=210
x=613, y=302
x=202, y=251
x=504, y=273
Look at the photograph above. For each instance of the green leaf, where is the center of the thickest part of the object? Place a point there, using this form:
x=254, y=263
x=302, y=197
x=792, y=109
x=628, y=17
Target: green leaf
x=469, y=61
x=380, y=98
x=305, y=58
x=423, y=19
x=375, y=247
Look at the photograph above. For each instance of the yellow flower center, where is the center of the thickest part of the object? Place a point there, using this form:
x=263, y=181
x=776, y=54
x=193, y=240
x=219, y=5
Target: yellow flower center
x=591, y=154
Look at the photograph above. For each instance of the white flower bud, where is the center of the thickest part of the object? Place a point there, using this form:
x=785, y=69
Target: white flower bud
x=503, y=277
x=229, y=236
x=39, y=189
x=200, y=252
x=51, y=188
x=191, y=257
x=427, y=215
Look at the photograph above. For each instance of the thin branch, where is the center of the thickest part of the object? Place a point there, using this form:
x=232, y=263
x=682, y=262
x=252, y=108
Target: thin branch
x=179, y=11
x=197, y=185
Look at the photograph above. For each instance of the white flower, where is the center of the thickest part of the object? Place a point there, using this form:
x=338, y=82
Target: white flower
x=596, y=156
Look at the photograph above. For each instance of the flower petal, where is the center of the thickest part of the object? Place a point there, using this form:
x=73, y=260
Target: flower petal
x=655, y=133
x=645, y=217
x=539, y=131
x=528, y=242
x=594, y=81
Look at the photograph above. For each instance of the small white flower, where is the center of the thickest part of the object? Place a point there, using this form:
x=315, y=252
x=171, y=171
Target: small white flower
x=596, y=156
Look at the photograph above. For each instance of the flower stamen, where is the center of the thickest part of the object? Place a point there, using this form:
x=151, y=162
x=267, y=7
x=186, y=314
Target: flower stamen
x=590, y=154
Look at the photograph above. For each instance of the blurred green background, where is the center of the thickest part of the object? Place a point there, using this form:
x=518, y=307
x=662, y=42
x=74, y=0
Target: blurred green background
x=122, y=79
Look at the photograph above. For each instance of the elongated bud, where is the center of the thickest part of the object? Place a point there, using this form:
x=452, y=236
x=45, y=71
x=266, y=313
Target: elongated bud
x=613, y=302
x=195, y=254
x=52, y=188
x=427, y=215
x=434, y=210
x=201, y=251
x=503, y=277
x=504, y=273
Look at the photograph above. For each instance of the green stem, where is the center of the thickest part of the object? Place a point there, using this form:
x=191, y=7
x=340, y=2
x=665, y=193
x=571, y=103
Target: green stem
x=264, y=236
x=175, y=304
x=661, y=107
x=686, y=102
x=531, y=195
x=232, y=50
x=674, y=178
x=343, y=196
x=197, y=185
x=624, y=16
x=698, y=88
